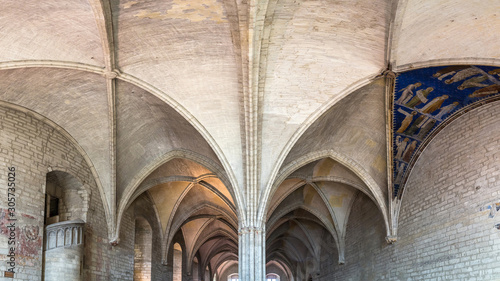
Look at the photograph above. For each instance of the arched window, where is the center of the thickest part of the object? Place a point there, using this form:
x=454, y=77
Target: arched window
x=142, y=250
x=233, y=277
x=272, y=277
x=177, y=262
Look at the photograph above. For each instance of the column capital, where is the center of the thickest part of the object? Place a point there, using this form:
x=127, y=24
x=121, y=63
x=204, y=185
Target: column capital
x=391, y=239
x=389, y=74
x=250, y=229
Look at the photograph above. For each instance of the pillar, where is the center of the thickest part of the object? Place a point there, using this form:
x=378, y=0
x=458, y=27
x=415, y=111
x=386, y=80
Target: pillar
x=252, y=254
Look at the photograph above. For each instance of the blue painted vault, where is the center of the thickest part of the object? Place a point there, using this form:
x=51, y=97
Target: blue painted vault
x=427, y=97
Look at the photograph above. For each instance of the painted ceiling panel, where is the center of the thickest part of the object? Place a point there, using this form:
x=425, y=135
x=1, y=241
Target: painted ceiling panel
x=425, y=98
x=310, y=41
x=187, y=52
x=147, y=130
x=74, y=100
x=49, y=30
x=446, y=30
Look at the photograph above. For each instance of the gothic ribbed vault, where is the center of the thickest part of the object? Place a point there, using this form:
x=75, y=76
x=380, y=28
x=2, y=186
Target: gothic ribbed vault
x=248, y=128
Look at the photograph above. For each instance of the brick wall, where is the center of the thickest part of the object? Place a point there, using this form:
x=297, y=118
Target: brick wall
x=32, y=146
x=177, y=250
x=72, y=194
x=121, y=257
x=229, y=271
x=142, y=209
x=196, y=272
x=177, y=265
x=446, y=231
x=142, y=250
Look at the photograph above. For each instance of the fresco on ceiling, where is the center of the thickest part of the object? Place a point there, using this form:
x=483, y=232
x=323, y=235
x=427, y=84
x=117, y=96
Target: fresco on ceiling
x=424, y=98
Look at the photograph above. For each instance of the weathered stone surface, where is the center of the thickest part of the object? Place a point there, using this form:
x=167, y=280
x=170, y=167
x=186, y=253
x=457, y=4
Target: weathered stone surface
x=254, y=135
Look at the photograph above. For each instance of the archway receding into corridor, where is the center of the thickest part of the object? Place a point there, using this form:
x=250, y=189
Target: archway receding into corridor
x=142, y=250
x=177, y=262
x=272, y=277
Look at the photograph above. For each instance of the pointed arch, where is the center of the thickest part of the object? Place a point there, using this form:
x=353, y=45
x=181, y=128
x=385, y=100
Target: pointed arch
x=374, y=188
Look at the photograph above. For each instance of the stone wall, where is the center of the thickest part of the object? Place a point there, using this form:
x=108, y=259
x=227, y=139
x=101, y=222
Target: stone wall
x=273, y=269
x=74, y=199
x=196, y=273
x=122, y=255
x=63, y=251
x=448, y=215
x=176, y=250
x=34, y=148
x=446, y=230
x=207, y=274
x=143, y=210
x=233, y=269
x=142, y=250
x=177, y=265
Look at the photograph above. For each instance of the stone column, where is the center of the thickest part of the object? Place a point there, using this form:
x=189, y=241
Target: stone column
x=394, y=202
x=252, y=254
x=63, y=251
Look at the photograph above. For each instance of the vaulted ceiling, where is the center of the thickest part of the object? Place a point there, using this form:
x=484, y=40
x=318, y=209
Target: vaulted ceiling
x=255, y=112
